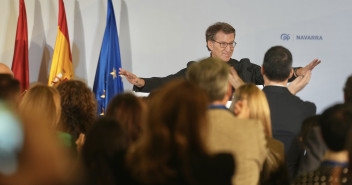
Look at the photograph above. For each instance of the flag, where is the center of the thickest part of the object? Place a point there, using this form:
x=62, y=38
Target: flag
x=61, y=64
x=107, y=82
x=20, y=56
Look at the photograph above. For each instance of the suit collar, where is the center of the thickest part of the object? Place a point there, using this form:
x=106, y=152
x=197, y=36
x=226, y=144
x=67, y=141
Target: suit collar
x=274, y=88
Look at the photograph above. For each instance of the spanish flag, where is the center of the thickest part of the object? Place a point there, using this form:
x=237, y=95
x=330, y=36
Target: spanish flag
x=61, y=65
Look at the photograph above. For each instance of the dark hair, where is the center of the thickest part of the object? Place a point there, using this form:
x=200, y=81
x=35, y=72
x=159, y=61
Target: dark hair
x=103, y=152
x=128, y=110
x=215, y=28
x=277, y=63
x=307, y=125
x=335, y=123
x=9, y=86
x=348, y=90
x=79, y=107
x=174, y=129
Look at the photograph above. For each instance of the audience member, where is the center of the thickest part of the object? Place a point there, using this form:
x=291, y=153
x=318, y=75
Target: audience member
x=78, y=109
x=4, y=69
x=220, y=41
x=249, y=102
x=43, y=102
x=128, y=110
x=311, y=140
x=312, y=145
x=171, y=149
x=335, y=123
x=11, y=141
x=243, y=138
x=103, y=153
x=41, y=159
x=10, y=90
x=348, y=90
x=287, y=110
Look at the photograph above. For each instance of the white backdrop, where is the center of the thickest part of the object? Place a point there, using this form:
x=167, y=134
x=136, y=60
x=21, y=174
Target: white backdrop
x=158, y=37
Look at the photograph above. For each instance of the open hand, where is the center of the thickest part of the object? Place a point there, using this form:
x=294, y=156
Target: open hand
x=234, y=79
x=309, y=67
x=132, y=78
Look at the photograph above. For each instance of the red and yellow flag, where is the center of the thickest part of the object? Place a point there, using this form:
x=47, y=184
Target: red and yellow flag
x=20, y=55
x=61, y=65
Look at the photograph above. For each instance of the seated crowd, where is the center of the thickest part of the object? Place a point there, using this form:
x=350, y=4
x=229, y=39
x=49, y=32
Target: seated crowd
x=182, y=134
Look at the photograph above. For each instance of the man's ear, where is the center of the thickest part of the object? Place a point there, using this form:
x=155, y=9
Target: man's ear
x=210, y=45
x=291, y=74
x=262, y=70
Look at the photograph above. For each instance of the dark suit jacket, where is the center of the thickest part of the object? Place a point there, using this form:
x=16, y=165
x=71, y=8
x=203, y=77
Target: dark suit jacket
x=287, y=114
x=248, y=71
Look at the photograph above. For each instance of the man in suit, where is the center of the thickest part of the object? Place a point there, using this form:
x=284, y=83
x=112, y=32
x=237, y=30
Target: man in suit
x=287, y=110
x=220, y=40
x=245, y=139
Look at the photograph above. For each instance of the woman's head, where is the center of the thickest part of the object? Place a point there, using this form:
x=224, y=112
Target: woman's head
x=103, y=151
x=177, y=115
x=128, y=110
x=78, y=107
x=174, y=129
x=43, y=102
x=249, y=98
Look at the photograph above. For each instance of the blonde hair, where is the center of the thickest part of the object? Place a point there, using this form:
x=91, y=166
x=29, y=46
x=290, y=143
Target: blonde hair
x=257, y=104
x=211, y=75
x=42, y=102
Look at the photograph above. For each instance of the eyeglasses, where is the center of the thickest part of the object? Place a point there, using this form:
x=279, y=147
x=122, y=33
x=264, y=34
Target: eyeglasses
x=225, y=44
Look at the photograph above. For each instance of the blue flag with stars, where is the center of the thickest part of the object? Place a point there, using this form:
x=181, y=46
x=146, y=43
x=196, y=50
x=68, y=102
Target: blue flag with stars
x=107, y=82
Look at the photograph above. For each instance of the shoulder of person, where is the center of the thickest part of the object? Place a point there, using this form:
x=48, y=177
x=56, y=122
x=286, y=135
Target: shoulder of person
x=307, y=104
x=190, y=62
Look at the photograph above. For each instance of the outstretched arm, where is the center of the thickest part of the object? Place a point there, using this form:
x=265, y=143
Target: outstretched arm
x=300, y=82
x=309, y=67
x=132, y=78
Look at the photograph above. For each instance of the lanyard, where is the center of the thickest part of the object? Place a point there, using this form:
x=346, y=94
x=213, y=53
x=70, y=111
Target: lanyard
x=335, y=163
x=217, y=107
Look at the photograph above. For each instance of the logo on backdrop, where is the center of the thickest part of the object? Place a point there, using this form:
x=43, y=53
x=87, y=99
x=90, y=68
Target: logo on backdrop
x=287, y=37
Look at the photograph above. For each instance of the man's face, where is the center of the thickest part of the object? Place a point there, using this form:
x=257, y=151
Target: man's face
x=219, y=52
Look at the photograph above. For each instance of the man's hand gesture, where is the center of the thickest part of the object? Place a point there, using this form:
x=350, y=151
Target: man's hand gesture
x=132, y=78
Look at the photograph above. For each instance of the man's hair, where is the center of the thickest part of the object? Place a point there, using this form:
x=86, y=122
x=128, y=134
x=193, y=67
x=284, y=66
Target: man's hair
x=277, y=63
x=210, y=74
x=348, y=90
x=335, y=123
x=215, y=28
x=9, y=87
